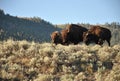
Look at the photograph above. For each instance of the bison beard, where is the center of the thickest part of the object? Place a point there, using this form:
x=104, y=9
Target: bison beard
x=65, y=37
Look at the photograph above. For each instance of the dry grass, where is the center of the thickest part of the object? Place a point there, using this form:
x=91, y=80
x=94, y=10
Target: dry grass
x=24, y=61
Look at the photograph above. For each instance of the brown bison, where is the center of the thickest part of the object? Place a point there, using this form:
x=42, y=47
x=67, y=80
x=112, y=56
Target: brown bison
x=72, y=34
x=97, y=35
x=56, y=37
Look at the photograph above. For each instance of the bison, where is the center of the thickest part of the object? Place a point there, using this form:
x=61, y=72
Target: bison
x=72, y=34
x=56, y=37
x=97, y=35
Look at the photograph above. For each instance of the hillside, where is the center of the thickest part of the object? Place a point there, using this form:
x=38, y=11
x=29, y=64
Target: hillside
x=39, y=30
x=30, y=61
x=22, y=28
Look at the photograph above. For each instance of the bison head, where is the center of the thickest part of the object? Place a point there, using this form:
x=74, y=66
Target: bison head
x=65, y=36
x=88, y=37
x=56, y=37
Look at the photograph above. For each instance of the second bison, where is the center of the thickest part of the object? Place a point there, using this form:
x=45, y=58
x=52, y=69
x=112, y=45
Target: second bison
x=72, y=34
x=98, y=35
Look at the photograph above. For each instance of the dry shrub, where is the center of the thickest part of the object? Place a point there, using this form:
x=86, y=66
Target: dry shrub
x=25, y=61
x=67, y=77
x=44, y=77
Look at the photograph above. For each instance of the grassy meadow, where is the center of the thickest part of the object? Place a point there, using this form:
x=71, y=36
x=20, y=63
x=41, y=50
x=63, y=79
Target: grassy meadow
x=30, y=61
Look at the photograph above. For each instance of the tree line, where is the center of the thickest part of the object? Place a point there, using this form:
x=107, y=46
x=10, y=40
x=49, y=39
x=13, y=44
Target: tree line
x=23, y=28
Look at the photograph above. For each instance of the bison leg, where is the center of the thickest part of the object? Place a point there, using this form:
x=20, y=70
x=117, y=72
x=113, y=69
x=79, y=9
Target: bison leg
x=108, y=42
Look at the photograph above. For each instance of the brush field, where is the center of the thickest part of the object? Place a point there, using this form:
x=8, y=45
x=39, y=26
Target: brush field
x=30, y=61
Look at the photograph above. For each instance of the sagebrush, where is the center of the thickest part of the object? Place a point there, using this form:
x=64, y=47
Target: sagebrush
x=24, y=61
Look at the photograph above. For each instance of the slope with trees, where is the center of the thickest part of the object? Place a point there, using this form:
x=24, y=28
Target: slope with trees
x=23, y=28
x=39, y=30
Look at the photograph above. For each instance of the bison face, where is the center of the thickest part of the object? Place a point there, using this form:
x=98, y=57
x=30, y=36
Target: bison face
x=87, y=38
x=55, y=37
x=65, y=36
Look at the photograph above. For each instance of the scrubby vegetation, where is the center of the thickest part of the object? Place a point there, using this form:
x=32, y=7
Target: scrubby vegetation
x=25, y=61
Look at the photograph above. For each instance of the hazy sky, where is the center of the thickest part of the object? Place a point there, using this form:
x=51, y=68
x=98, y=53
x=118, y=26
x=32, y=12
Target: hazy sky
x=65, y=11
